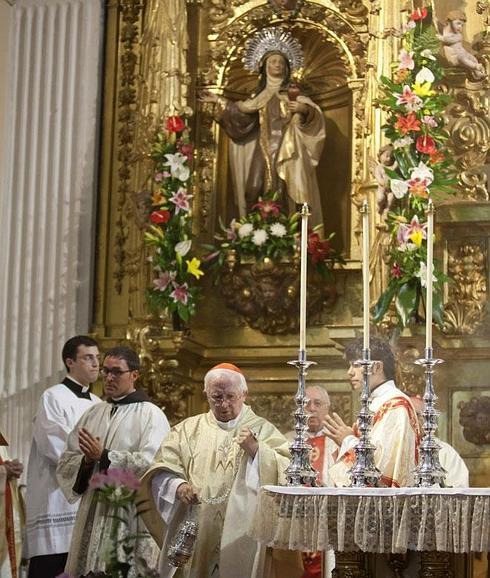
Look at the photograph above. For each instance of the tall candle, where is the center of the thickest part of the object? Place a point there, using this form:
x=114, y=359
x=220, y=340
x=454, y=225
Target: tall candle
x=430, y=261
x=365, y=272
x=304, y=257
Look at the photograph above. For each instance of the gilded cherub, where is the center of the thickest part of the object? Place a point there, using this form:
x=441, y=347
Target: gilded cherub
x=451, y=36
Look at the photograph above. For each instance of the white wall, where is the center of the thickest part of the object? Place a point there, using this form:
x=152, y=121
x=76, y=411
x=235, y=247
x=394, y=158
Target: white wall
x=50, y=72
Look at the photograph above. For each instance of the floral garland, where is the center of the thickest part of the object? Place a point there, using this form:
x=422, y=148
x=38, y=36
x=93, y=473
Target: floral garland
x=420, y=167
x=267, y=231
x=169, y=233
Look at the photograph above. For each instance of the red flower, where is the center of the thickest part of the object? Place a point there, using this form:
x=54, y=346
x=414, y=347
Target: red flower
x=159, y=217
x=406, y=124
x=419, y=14
x=319, y=249
x=396, y=271
x=436, y=157
x=267, y=209
x=175, y=124
x=426, y=145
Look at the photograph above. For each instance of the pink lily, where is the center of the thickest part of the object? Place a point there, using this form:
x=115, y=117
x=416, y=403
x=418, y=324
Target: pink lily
x=409, y=99
x=180, y=199
x=180, y=293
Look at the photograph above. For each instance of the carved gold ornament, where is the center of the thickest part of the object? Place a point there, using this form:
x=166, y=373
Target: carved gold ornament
x=466, y=303
x=266, y=293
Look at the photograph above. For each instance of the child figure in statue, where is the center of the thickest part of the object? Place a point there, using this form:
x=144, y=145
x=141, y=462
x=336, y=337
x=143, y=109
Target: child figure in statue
x=277, y=135
x=451, y=36
x=384, y=195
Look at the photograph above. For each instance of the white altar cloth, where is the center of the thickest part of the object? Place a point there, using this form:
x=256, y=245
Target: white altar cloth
x=379, y=520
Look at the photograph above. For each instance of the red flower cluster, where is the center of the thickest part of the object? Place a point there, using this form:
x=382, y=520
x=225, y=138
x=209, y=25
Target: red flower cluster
x=268, y=209
x=419, y=14
x=175, y=124
x=159, y=217
x=406, y=124
x=426, y=145
x=319, y=249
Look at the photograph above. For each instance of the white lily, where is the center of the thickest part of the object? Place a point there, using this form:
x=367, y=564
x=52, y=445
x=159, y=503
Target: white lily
x=177, y=163
x=399, y=188
x=422, y=173
x=425, y=75
x=183, y=247
x=422, y=274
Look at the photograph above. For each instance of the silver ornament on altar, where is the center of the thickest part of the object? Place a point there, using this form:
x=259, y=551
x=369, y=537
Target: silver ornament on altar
x=429, y=471
x=364, y=472
x=272, y=40
x=182, y=546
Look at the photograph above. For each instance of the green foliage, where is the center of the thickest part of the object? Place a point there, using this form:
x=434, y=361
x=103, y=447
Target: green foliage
x=169, y=231
x=421, y=168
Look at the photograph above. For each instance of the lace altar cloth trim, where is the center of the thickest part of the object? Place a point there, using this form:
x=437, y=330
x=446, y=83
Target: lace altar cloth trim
x=379, y=520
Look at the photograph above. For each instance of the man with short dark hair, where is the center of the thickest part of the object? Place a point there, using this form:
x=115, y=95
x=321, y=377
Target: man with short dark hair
x=50, y=518
x=395, y=429
x=123, y=432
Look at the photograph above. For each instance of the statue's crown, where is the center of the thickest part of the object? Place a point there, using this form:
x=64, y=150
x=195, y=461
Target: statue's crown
x=272, y=40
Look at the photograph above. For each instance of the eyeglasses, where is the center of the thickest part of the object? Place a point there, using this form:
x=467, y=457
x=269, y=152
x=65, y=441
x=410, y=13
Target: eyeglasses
x=114, y=371
x=220, y=400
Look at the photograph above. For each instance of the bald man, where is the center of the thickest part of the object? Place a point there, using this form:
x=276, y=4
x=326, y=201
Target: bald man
x=323, y=455
x=211, y=466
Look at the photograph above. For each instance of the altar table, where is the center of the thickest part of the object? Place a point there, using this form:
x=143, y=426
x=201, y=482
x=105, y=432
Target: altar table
x=380, y=520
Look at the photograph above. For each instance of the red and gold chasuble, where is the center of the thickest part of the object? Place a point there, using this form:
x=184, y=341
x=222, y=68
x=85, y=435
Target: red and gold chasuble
x=312, y=561
x=9, y=527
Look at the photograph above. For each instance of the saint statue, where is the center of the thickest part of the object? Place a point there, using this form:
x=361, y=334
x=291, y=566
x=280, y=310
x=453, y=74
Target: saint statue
x=276, y=135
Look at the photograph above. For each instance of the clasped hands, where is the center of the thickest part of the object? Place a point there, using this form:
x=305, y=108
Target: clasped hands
x=337, y=429
x=14, y=468
x=91, y=447
x=246, y=439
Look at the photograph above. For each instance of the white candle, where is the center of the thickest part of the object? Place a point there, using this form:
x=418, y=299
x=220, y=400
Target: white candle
x=365, y=272
x=430, y=261
x=304, y=258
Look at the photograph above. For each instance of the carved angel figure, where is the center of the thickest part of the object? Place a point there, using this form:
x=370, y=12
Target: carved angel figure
x=451, y=36
x=276, y=135
x=384, y=195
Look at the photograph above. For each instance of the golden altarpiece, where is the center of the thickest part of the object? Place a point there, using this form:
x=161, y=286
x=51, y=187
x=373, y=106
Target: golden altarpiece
x=159, y=55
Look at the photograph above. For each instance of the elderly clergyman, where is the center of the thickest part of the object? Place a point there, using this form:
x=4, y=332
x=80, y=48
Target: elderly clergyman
x=216, y=462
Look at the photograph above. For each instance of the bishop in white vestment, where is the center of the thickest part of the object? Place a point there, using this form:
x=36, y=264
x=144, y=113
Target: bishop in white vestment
x=124, y=432
x=50, y=517
x=216, y=462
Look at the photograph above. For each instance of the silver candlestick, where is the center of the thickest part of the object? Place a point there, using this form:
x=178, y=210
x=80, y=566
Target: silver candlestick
x=429, y=471
x=300, y=471
x=364, y=471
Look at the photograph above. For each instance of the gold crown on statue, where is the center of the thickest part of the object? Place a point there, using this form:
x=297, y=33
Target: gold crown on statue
x=272, y=40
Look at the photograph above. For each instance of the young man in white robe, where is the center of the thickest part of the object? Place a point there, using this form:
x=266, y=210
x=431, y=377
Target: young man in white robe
x=395, y=431
x=11, y=514
x=211, y=466
x=123, y=432
x=50, y=518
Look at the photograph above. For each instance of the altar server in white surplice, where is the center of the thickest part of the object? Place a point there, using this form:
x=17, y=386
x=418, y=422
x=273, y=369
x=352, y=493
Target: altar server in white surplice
x=218, y=460
x=123, y=432
x=395, y=431
x=50, y=518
